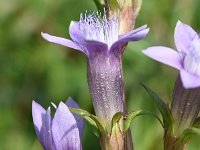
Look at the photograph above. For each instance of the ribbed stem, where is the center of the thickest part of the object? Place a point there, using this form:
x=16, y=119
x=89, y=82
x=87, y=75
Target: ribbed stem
x=171, y=142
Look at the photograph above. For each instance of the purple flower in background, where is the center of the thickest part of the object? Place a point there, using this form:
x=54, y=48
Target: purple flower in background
x=187, y=57
x=61, y=133
x=98, y=38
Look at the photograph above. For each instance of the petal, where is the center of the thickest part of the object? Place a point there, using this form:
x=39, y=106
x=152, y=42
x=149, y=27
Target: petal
x=183, y=36
x=165, y=55
x=74, y=32
x=64, y=129
x=189, y=80
x=79, y=120
x=42, y=124
x=60, y=41
x=134, y=35
x=133, y=32
x=37, y=113
x=47, y=133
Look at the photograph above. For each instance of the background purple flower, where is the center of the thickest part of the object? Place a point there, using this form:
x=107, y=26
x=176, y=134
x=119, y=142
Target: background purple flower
x=187, y=57
x=61, y=133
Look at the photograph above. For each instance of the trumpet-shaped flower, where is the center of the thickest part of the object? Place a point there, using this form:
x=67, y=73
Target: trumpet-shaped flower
x=61, y=133
x=94, y=33
x=98, y=38
x=187, y=57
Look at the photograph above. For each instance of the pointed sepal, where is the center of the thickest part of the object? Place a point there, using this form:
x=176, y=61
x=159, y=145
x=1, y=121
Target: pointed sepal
x=116, y=118
x=131, y=115
x=93, y=120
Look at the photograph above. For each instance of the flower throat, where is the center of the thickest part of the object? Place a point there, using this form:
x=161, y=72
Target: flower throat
x=96, y=27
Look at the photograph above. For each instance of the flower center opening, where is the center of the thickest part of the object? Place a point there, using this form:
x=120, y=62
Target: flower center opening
x=96, y=27
x=192, y=59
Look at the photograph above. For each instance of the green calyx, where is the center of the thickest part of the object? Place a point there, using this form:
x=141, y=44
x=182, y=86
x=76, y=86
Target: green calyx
x=112, y=138
x=107, y=136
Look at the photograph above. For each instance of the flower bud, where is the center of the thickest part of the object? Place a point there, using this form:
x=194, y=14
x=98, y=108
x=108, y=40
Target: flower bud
x=129, y=10
x=125, y=11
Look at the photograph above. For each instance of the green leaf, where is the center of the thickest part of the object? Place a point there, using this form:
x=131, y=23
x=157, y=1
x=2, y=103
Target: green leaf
x=100, y=5
x=93, y=124
x=93, y=120
x=130, y=116
x=116, y=118
x=162, y=107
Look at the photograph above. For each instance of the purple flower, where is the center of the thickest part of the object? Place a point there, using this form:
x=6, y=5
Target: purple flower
x=99, y=40
x=93, y=33
x=61, y=133
x=186, y=59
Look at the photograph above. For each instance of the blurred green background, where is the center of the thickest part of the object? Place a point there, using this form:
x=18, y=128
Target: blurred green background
x=31, y=68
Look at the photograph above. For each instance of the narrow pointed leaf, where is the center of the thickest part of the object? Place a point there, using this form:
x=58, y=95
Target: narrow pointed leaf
x=99, y=4
x=162, y=107
x=129, y=118
x=93, y=120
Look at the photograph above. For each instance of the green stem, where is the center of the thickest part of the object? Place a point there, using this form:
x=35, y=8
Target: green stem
x=172, y=142
x=104, y=142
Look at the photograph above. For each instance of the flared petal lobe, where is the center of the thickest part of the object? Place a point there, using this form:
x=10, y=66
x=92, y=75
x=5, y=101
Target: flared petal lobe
x=60, y=41
x=133, y=32
x=165, y=55
x=79, y=120
x=183, y=36
x=42, y=124
x=134, y=35
x=64, y=129
x=74, y=32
